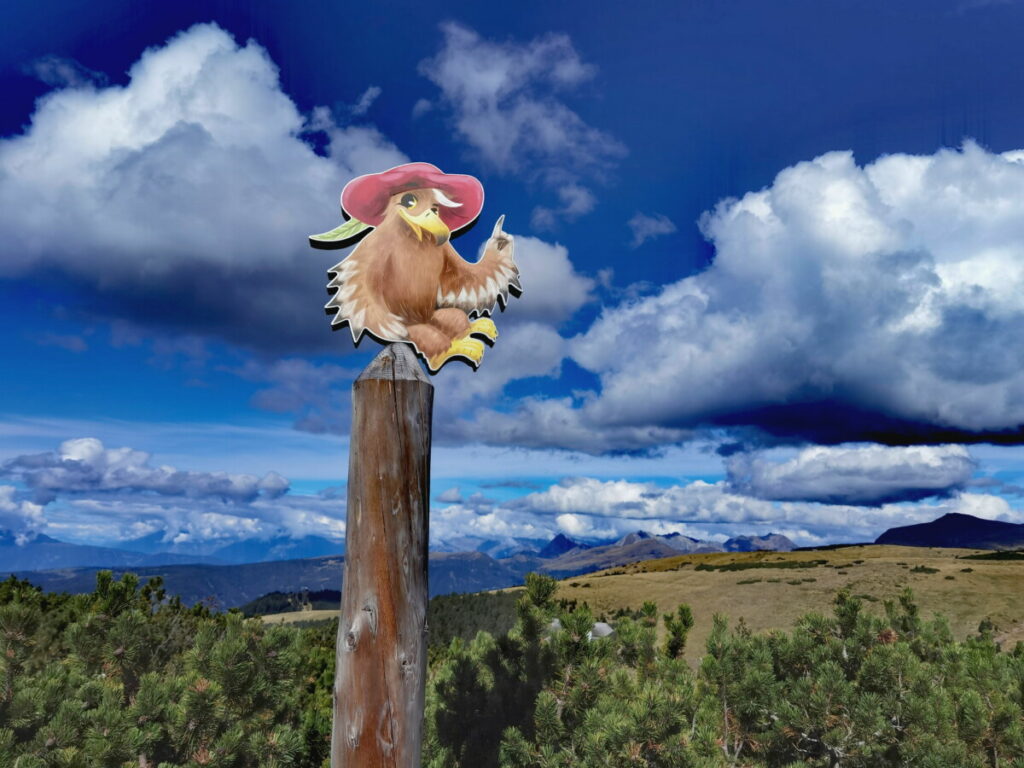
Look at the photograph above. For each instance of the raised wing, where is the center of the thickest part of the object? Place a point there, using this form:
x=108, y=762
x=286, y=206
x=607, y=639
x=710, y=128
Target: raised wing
x=476, y=288
x=354, y=303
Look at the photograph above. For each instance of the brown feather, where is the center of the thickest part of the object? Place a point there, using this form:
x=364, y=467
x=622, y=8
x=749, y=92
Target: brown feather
x=386, y=284
x=476, y=288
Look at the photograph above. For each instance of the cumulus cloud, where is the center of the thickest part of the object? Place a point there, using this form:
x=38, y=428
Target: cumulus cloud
x=183, y=198
x=552, y=288
x=84, y=464
x=879, y=303
x=507, y=102
x=21, y=517
x=558, y=423
x=462, y=526
x=857, y=474
x=646, y=227
x=194, y=525
x=716, y=510
x=87, y=492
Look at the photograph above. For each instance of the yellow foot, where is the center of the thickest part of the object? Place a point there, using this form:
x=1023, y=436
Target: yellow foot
x=483, y=327
x=471, y=349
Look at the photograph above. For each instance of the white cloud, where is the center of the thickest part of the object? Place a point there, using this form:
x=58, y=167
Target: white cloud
x=84, y=464
x=21, y=517
x=421, y=107
x=552, y=288
x=575, y=201
x=559, y=423
x=646, y=227
x=94, y=494
x=365, y=101
x=458, y=521
x=60, y=72
x=893, y=290
x=203, y=524
x=713, y=510
x=184, y=197
x=507, y=103
x=450, y=496
x=854, y=474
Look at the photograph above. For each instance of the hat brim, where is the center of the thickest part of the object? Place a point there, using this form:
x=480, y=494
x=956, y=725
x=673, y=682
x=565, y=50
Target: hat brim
x=366, y=197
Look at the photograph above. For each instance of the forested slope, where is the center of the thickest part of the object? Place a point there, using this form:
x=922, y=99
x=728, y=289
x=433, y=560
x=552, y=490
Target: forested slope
x=124, y=676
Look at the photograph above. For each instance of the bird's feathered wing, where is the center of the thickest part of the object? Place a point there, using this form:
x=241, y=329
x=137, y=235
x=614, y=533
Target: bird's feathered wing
x=476, y=288
x=355, y=303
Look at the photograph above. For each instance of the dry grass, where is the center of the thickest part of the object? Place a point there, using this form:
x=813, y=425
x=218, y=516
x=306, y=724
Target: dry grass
x=992, y=589
x=768, y=600
x=293, y=617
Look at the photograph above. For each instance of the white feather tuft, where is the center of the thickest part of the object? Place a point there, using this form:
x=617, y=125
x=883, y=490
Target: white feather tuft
x=444, y=200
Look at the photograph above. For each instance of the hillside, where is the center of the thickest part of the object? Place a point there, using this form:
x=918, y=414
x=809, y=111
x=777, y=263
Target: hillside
x=122, y=677
x=957, y=530
x=763, y=595
x=45, y=552
x=578, y=561
x=221, y=586
x=229, y=586
x=761, y=589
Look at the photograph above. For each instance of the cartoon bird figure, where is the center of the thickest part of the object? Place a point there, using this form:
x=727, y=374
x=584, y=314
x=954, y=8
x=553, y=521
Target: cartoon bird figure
x=405, y=282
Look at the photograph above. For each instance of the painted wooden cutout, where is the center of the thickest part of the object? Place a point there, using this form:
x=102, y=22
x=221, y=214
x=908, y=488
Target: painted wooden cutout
x=404, y=282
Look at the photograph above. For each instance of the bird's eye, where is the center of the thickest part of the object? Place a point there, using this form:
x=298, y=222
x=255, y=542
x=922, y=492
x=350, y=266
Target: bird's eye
x=408, y=200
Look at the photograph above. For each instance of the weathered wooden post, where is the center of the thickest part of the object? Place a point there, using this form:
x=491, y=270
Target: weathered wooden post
x=404, y=285
x=382, y=634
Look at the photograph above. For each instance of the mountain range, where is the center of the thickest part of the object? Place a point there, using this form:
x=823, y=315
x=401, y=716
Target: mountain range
x=44, y=552
x=157, y=549
x=224, y=577
x=230, y=585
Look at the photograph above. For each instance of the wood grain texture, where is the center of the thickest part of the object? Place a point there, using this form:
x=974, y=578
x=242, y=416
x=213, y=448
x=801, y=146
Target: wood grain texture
x=382, y=635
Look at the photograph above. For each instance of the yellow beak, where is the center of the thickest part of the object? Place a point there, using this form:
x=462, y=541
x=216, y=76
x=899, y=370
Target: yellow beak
x=428, y=222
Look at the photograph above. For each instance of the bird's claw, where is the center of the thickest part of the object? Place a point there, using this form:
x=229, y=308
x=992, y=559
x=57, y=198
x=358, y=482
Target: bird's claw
x=499, y=237
x=484, y=327
x=471, y=349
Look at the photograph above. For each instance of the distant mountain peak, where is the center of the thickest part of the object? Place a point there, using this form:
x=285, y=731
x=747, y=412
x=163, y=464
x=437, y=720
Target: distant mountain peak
x=632, y=538
x=10, y=538
x=956, y=529
x=559, y=546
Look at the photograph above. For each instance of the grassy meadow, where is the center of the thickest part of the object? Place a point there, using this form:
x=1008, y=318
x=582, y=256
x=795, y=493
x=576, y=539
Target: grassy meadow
x=767, y=596
x=772, y=590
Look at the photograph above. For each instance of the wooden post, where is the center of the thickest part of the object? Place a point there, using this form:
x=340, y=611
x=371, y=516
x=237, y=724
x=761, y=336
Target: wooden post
x=382, y=634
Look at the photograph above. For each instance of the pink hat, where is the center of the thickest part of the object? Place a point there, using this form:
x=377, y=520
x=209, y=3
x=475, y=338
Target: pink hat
x=365, y=197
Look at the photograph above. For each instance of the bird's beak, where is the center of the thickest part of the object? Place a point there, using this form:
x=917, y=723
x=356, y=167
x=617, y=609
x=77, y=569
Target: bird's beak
x=428, y=222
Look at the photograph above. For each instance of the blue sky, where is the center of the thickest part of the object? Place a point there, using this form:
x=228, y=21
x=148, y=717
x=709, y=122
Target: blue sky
x=772, y=254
